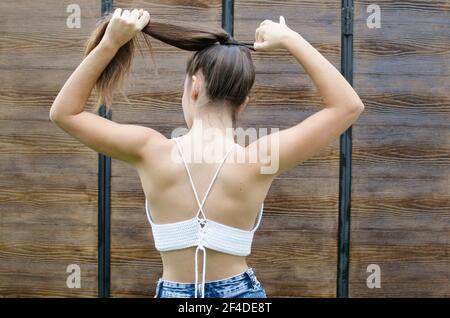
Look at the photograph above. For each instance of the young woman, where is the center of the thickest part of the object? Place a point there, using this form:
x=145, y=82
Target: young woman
x=189, y=217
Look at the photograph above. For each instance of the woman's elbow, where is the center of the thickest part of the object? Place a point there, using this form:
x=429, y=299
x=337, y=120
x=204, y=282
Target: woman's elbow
x=52, y=116
x=357, y=106
x=353, y=105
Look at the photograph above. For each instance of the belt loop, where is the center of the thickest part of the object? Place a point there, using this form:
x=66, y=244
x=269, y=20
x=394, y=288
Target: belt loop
x=158, y=288
x=252, y=276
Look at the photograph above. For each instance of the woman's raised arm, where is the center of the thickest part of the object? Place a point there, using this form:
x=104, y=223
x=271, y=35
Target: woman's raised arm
x=342, y=105
x=123, y=142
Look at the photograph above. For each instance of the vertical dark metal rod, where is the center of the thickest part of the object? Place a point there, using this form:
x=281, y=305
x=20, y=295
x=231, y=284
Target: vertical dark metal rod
x=228, y=16
x=104, y=203
x=342, y=281
x=345, y=165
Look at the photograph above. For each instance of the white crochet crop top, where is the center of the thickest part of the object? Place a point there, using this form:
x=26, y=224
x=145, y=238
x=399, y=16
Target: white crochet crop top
x=202, y=232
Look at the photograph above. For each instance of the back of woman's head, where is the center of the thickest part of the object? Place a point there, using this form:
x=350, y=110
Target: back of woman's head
x=225, y=64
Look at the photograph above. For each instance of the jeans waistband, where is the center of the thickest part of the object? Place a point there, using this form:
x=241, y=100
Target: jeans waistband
x=248, y=273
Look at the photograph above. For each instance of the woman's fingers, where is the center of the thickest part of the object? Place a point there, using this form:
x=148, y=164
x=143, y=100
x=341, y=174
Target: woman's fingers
x=126, y=14
x=259, y=35
x=134, y=15
x=117, y=13
x=139, y=17
x=260, y=44
x=143, y=20
x=282, y=20
x=264, y=22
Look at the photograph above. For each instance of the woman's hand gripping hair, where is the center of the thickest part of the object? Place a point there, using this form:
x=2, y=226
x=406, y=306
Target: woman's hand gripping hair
x=271, y=36
x=123, y=26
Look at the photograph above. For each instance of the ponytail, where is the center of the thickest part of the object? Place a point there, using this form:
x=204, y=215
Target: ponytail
x=190, y=37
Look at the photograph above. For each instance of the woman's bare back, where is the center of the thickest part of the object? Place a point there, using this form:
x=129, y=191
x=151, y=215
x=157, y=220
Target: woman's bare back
x=234, y=200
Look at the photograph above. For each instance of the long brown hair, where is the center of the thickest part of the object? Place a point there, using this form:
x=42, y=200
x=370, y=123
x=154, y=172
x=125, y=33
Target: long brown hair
x=227, y=68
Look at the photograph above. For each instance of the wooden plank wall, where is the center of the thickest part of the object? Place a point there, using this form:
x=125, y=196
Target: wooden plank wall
x=401, y=146
x=400, y=185
x=155, y=102
x=48, y=183
x=295, y=249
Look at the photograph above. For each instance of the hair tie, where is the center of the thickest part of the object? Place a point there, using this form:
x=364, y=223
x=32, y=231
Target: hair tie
x=229, y=40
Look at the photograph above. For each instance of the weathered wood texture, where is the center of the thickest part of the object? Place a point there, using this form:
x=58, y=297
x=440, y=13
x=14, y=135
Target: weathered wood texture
x=401, y=146
x=294, y=251
x=155, y=101
x=48, y=183
x=400, y=194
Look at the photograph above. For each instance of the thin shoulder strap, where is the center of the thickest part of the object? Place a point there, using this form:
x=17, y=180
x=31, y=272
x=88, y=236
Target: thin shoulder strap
x=200, y=204
x=148, y=212
x=259, y=218
x=188, y=172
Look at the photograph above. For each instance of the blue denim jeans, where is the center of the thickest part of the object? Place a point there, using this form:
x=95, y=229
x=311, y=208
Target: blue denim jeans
x=243, y=285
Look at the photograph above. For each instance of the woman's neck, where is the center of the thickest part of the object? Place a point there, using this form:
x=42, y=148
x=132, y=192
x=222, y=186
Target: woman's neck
x=212, y=127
